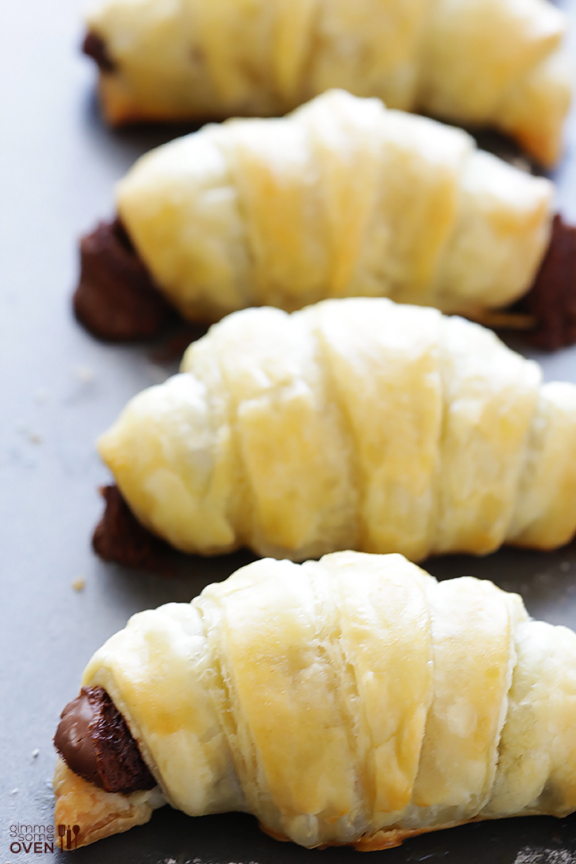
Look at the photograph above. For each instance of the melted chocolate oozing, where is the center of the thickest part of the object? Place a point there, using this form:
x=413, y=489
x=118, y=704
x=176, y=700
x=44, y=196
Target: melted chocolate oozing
x=95, y=742
x=74, y=739
x=552, y=298
x=120, y=537
x=116, y=298
x=95, y=47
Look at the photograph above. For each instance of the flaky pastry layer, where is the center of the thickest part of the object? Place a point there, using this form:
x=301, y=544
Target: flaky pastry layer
x=406, y=705
x=477, y=62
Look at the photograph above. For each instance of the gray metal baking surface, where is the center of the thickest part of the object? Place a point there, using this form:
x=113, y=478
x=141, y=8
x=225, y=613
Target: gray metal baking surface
x=58, y=389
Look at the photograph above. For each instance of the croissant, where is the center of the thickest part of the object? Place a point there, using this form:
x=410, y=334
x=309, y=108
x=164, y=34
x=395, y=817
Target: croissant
x=352, y=424
x=343, y=197
x=406, y=706
x=495, y=63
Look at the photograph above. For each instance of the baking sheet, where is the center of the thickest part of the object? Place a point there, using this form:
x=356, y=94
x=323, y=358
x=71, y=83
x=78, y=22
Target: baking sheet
x=58, y=389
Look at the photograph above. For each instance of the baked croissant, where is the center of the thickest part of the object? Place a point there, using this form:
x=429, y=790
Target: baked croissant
x=352, y=424
x=406, y=706
x=493, y=63
x=343, y=197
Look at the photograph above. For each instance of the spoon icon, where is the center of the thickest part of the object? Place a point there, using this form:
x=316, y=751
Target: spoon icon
x=76, y=830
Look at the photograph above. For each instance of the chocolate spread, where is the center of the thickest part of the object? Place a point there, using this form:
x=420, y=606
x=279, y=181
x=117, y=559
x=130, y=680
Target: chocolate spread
x=120, y=537
x=95, y=47
x=552, y=298
x=95, y=742
x=116, y=298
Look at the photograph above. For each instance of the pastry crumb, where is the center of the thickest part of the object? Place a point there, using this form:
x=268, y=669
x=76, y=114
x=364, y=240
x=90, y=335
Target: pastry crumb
x=79, y=584
x=35, y=753
x=31, y=436
x=84, y=374
x=14, y=791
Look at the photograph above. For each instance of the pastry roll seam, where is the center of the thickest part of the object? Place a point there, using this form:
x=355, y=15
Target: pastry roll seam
x=406, y=705
x=355, y=423
x=343, y=197
x=478, y=62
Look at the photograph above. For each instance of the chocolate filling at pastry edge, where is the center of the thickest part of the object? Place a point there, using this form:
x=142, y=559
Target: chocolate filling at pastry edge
x=551, y=300
x=116, y=298
x=95, y=742
x=95, y=47
x=121, y=538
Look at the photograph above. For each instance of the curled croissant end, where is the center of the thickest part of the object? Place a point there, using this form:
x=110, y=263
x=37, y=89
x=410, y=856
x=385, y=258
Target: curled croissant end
x=114, y=97
x=551, y=301
x=116, y=298
x=101, y=783
x=407, y=705
x=99, y=814
x=546, y=314
x=354, y=423
x=119, y=537
x=486, y=64
x=341, y=198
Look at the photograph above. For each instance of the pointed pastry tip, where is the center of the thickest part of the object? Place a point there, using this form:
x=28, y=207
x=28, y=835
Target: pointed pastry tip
x=85, y=813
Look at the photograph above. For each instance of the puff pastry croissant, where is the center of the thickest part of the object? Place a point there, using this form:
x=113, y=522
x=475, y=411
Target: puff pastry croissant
x=406, y=705
x=352, y=424
x=343, y=197
x=484, y=62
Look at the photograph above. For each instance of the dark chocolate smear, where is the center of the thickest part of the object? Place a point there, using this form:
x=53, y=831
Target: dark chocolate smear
x=121, y=538
x=116, y=298
x=74, y=737
x=95, y=47
x=552, y=297
x=95, y=742
x=172, y=347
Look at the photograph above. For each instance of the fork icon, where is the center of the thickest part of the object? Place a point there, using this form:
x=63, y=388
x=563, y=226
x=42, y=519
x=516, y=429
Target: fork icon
x=65, y=832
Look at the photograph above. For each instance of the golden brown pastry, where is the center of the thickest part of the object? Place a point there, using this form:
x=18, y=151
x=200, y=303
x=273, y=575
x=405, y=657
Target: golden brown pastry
x=475, y=62
x=406, y=705
x=352, y=424
x=342, y=198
